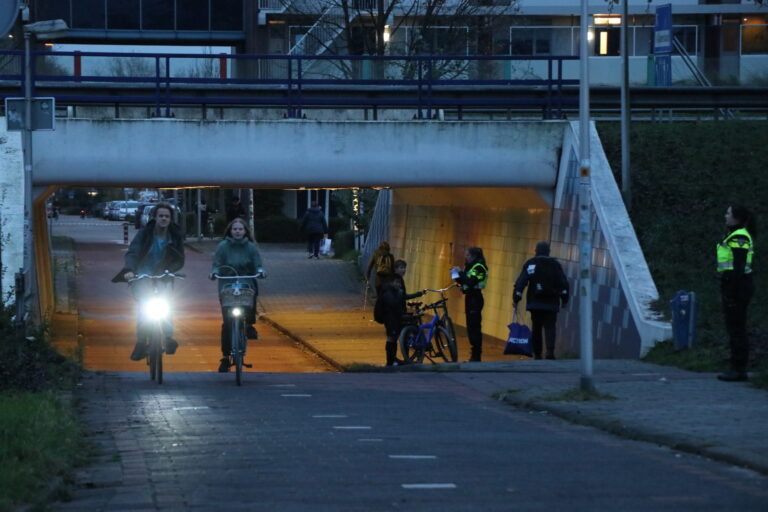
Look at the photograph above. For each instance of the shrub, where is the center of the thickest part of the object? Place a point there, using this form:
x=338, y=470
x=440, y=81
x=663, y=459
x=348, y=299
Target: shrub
x=343, y=243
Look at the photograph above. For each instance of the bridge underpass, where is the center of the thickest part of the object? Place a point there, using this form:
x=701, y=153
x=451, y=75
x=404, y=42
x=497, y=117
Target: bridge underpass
x=500, y=185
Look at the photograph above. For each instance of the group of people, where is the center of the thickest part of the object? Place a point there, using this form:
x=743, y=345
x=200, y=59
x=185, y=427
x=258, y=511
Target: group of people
x=159, y=247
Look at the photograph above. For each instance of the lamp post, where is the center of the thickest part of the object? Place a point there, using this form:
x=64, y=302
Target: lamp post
x=49, y=29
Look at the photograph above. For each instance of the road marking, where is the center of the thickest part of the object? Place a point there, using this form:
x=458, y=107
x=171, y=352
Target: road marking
x=352, y=427
x=329, y=415
x=296, y=395
x=192, y=408
x=428, y=486
x=282, y=385
x=414, y=457
x=370, y=440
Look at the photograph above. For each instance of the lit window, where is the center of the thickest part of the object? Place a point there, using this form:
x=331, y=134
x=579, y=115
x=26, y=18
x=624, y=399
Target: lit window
x=607, y=20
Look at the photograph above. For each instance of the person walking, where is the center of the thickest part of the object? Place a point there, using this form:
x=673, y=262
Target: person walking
x=235, y=209
x=734, y=265
x=157, y=247
x=391, y=306
x=547, y=290
x=473, y=280
x=384, y=264
x=314, y=226
x=237, y=255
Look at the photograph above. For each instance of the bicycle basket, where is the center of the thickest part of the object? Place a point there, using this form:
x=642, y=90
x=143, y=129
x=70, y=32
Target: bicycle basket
x=237, y=297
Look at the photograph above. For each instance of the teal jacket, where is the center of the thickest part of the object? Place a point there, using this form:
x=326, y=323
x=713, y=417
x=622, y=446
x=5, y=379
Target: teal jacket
x=241, y=254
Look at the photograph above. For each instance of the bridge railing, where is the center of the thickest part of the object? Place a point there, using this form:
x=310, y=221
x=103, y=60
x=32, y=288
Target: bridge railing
x=164, y=80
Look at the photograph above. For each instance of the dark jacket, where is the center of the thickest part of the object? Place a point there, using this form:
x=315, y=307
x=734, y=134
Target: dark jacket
x=242, y=255
x=236, y=210
x=393, y=303
x=173, y=257
x=313, y=222
x=547, y=270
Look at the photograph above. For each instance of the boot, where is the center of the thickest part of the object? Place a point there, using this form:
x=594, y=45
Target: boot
x=391, y=350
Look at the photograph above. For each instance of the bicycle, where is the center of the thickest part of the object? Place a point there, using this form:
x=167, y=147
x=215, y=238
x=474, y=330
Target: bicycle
x=237, y=300
x=153, y=311
x=431, y=340
x=445, y=320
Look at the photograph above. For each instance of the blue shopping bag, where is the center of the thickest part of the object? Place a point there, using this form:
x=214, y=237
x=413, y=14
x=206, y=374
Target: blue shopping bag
x=519, y=339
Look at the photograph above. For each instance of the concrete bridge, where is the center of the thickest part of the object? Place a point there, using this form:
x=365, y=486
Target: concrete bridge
x=500, y=185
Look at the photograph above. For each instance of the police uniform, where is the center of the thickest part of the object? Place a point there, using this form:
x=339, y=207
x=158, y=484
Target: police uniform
x=734, y=265
x=473, y=280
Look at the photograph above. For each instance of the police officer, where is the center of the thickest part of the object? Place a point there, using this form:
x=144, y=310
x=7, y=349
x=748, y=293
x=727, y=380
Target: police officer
x=734, y=266
x=547, y=290
x=472, y=280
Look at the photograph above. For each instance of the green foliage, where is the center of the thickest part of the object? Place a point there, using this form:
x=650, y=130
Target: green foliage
x=278, y=229
x=685, y=175
x=42, y=440
x=367, y=199
x=343, y=243
x=267, y=203
x=336, y=224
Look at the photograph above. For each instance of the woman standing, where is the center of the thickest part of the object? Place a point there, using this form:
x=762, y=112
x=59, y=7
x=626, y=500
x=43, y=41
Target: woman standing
x=472, y=281
x=237, y=255
x=734, y=265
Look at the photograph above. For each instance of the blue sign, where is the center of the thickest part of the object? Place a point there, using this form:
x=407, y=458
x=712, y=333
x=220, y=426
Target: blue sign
x=663, y=71
x=662, y=32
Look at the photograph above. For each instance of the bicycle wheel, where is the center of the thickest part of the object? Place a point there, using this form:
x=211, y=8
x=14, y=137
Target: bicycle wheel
x=155, y=358
x=237, y=355
x=445, y=345
x=410, y=341
x=448, y=324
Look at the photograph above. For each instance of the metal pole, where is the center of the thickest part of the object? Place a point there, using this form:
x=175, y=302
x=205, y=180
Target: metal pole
x=27, y=145
x=251, y=225
x=626, y=182
x=199, y=211
x=585, y=210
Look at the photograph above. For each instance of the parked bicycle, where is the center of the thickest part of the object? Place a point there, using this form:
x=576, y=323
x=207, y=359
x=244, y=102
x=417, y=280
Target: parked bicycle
x=432, y=340
x=154, y=311
x=237, y=300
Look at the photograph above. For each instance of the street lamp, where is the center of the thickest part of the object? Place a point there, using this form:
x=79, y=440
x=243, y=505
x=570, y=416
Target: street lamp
x=49, y=29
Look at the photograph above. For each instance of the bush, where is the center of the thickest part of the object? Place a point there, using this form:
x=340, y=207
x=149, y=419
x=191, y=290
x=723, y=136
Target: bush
x=337, y=224
x=278, y=229
x=343, y=243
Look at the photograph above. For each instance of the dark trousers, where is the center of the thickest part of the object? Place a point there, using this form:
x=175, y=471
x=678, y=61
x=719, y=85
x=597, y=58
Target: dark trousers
x=735, y=313
x=473, y=308
x=543, y=327
x=313, y=243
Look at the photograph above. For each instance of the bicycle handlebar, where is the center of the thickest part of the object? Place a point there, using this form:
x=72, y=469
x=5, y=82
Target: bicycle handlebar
x=442, y=290
x=160, y=276
x=259, y=275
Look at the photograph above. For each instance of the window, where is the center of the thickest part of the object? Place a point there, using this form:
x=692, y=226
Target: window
x=88, y=14
x=536, y=40
x=754, y=39
x=687, y=37
x=52, y=10
x=123, y=14
x=227, y=15
x=157, y=14
x=192, y=14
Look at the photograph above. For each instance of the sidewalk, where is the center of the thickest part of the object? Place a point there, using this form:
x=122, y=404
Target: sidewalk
x=320, y=304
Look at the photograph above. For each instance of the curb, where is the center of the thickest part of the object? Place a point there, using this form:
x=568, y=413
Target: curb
x=298, y=339
x=616, y=427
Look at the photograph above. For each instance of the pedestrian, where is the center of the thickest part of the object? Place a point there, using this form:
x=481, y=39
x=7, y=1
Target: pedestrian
x=235, y=209
x=314, y=226
x=203, y=209
x=384, y=263
x=547, y=291
x=157, y=247
x=734, y=266
x=390, y=307
x=237, y=255
x=472, y=280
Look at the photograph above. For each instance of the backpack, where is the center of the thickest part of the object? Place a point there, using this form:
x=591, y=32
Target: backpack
x=385, y=265
x=545, y=280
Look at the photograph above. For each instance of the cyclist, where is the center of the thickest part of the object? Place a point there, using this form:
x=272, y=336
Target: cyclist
x=237, y=254
x=157, y=247
x=472, y=281
x=392, y=306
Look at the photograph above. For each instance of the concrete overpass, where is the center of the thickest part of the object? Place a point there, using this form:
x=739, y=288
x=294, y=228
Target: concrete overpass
x=500, y=185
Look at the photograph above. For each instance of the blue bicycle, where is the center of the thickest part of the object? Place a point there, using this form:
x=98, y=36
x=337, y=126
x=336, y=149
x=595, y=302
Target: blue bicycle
x=433, y=340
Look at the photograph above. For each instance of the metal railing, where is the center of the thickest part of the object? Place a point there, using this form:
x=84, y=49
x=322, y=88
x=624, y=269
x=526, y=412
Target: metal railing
x=163, y=80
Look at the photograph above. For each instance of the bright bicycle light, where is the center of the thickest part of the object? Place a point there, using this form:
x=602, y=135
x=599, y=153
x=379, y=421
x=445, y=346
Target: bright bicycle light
x=156, y=308
x=236, y=312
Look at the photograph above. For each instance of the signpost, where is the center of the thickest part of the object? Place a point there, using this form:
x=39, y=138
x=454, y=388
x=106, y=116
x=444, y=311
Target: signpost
x=662, y=45
x=43, y=113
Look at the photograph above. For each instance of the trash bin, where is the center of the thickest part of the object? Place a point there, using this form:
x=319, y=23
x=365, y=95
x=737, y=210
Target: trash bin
x=684, y=319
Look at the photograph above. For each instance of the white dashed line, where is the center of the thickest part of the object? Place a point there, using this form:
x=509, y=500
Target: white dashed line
x=296, y=395
x=329, y=415
x=195, y=408
x=413, y=457
x=352, y=427
x=428, y=486
x=370, y=440
x=282, y=385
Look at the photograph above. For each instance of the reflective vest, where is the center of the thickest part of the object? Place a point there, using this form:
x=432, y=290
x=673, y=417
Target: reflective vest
x=480, y=272
x=725, y=250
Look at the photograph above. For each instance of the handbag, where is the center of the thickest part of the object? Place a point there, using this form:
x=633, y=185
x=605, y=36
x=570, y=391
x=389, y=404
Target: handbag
x=519, y=339
x=325, y=246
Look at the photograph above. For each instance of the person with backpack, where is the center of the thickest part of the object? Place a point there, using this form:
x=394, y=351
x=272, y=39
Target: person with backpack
x=384, y=263
x=547, y=291
x=472, y=281
x=314, y=226
x=391, y=306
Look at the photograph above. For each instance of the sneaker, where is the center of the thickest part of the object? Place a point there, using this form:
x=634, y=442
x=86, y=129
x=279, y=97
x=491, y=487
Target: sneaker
x=139, y=351
x=250, y=333
x=224, y=365
x=171, y=345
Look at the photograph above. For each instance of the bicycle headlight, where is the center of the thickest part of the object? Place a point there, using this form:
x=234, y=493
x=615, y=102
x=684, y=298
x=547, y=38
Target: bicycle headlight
x=156, y=308
x=236, y=312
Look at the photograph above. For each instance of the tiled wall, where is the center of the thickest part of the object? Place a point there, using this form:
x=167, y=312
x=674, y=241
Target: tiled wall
x=433, y=237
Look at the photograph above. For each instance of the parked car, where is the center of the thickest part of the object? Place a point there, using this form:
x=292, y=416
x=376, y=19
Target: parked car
x=108, y=207
x=127, y=210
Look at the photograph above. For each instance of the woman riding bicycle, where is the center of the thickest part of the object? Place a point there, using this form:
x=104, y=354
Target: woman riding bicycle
x=237, y=255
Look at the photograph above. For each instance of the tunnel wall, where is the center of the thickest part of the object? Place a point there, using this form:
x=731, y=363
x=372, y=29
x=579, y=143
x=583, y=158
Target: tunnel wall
x=11, y=206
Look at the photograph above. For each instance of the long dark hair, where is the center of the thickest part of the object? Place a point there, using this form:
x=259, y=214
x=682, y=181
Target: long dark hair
x=476, y=254
x=745, y=218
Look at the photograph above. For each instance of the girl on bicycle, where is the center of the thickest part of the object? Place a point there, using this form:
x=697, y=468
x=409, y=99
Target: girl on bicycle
x=237, y=254
x=472, y=281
